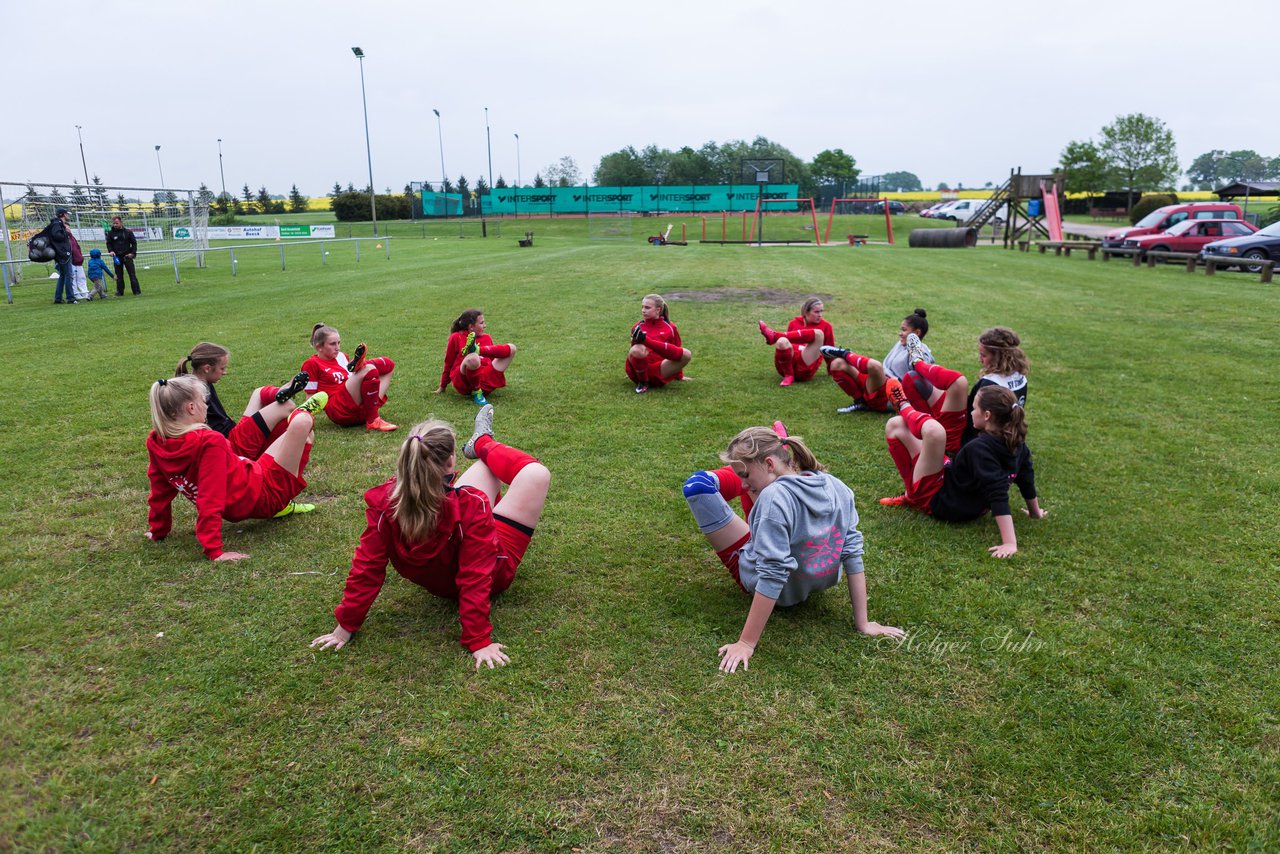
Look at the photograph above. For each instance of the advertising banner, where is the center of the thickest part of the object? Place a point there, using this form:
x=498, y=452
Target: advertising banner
x=588, y=199
x=258, y=232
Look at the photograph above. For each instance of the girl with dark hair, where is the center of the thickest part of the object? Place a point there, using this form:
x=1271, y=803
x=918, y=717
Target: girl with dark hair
x=357, y=387
x=862, y=378
x=264, y=417
x=187, y=457
x=459, y=538
x=657, y=355
x=977, y=479
x=800, y=536
x=472, y=362
x=797, y=353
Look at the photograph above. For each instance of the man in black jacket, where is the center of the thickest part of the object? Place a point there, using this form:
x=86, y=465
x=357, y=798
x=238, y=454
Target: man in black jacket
x=123, y=246
x=60, y=240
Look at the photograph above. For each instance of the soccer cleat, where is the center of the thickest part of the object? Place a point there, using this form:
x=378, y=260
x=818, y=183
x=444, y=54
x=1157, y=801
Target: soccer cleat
x=381, y=425
x=780, y=429
x=787, y=380
x=856, y=406
x=894, y=501
x=833, y=352
x=358, y=362
x=477, y=397
x=294, y=507
x=915, y=351
x=770, y=336
x=897, y=397
x=314, y=403
x=470, y=346
x=637, y=335
x=484, y=427
x=641, y=388
x=297, y=384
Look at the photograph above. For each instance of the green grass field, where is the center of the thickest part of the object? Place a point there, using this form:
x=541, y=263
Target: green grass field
x=1113, y=686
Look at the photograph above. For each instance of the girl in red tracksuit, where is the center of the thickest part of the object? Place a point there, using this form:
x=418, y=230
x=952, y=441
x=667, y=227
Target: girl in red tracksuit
x=264, y=417
x=977, y=480
x=357, y=387
x=656, y=356
x=460, y=539
x=798, y=351
x=187, y=457
x=472, y=362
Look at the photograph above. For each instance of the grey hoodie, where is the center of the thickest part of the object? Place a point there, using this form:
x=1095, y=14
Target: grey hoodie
x=804, y=529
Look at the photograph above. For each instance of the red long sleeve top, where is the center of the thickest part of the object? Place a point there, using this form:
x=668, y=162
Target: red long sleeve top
x=201, y=466
x=659, y=330
x=326, y=375
x=453, y=353
x=828, y=334
x=456, y=562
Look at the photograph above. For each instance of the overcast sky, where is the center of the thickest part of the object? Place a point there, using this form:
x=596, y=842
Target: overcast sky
x=953, y=91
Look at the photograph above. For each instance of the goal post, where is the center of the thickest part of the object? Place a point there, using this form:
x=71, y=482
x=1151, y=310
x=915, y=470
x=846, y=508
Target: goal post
x=860, y=211
x=794, y=222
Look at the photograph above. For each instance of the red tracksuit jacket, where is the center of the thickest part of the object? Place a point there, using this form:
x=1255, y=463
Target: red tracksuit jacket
x=201, y=466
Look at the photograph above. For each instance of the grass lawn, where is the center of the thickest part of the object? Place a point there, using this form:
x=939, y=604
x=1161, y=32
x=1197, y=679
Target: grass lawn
x=1113, y=686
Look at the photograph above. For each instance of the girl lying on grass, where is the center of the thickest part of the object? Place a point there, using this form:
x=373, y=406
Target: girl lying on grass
x=801, y=533
x=472, y=362
x=187, y=457
x=978, y=479
x=460, y=539
x=357, y=387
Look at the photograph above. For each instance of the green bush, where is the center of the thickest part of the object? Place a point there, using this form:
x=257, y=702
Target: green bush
x=354, y=207
x=1270, y=216
x=1149, y=203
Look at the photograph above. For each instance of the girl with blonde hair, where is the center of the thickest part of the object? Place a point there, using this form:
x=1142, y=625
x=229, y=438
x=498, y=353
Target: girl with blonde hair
x=657, y=356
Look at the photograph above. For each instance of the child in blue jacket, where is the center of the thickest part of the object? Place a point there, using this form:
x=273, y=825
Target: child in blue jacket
x=97, y=267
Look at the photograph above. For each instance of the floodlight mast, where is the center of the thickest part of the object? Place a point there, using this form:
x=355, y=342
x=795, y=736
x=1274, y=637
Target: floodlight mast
x=444, y=177
x=82, y=161
x=222, y=174
x=373, y=195
x=160, y=166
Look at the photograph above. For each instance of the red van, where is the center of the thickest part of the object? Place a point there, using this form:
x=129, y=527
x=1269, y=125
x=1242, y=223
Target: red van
x=1161, y=219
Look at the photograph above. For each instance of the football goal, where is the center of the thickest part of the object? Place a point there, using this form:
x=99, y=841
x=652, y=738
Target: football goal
x=862, y=220
x=784, y=221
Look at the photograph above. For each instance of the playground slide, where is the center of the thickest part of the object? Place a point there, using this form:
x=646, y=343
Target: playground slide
x=1052, y=213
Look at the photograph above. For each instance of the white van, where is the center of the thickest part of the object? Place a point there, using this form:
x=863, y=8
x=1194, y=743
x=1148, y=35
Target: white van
x=966, y=209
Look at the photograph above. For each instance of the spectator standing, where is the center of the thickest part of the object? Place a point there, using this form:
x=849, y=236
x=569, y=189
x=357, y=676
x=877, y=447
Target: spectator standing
x=123, y=246
x=60, y=240
x=79, y=284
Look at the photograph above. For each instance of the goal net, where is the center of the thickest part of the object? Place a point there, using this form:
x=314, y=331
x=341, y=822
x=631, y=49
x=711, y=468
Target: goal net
x=784, y=221
x=171, y=226
x=608, y=226
x=859, y=220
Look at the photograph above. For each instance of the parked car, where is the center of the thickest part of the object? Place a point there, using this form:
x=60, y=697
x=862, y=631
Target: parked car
x=940, y=212
x=932, y=210
x=966, y=209
x=1162, y=219
x=1190, y=235
x=1262, y=245
x=869, y=206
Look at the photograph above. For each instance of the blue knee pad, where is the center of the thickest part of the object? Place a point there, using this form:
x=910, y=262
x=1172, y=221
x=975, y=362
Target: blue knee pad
x=701, y=483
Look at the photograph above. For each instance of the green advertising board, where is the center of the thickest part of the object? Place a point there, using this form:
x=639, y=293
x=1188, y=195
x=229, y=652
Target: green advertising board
x=652, y=198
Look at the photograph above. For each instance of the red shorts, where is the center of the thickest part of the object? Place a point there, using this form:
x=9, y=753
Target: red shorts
x=271, y=490
x=801, y=371
x=484, y=378
x=856, y=387
x=513, y=542
x=649, y=371
x=248, y=440
x=920, y=494
x=342, y=410
x=729, y=557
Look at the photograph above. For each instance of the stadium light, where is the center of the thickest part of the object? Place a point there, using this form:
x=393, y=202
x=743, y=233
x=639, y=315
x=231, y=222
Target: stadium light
x=444, y=176
x=221, y=174
x=519, y=183
x=160, y=166
x=82, y=162
x=373, y=195
x=488, y=144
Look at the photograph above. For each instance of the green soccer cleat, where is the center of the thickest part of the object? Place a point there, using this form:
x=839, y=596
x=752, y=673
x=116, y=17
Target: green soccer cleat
x=470, y=346
x=478, y=398
x=294, y=507
x=315, y=403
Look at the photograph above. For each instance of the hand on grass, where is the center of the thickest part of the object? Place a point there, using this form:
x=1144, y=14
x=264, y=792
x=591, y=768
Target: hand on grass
x=1003, y=550
x=439, y=390
x=733, y=654
x=875, y=630
x=225, y=556
x=335, y=640
x=1040, y=513
x=153, y=537
x=491, y=655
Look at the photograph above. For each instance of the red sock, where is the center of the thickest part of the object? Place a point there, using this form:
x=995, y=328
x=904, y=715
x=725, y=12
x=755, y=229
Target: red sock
x=383, y=364
x=305, y=458
x=267, y=394
x=912, y=390
x=665, y=350
x=853, y=386
x=782, y=362
x=495, y=351
x=915, y=420
x=799, y=336
x=370, y=400
x=857, y=362
x=503, y=460
x=902, y=459
x=940, y=377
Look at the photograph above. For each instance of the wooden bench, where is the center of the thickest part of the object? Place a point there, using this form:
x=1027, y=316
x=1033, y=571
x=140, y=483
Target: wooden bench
x=527, y=241
x=1061, y=247
x=1191, y=258
x=859, y=239
x=1107, y=213
x=1126, y=251
x=1212, y=262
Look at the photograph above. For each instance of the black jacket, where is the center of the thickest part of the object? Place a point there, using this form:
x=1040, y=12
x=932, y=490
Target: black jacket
x=59, y=239
x=121, y=242
x=978, y=480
